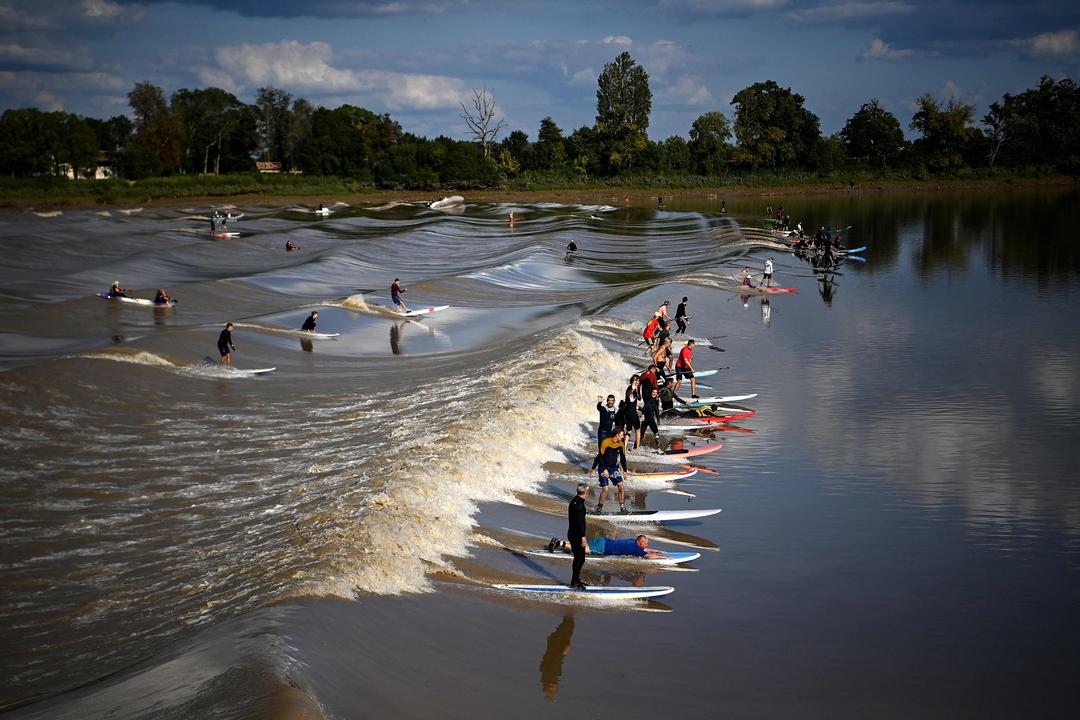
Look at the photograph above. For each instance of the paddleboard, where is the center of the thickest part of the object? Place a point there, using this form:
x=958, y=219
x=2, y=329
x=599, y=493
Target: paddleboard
x=609, y=593
x=673, y=558
x=136, y=301
x=667, y=476
x=703, y=373
x=318, y=335
x=225, y=234
x=721, y=399
x=424, y=311
x=654, y=515
x=255, y=371
x=856, y=250
x=683, y=429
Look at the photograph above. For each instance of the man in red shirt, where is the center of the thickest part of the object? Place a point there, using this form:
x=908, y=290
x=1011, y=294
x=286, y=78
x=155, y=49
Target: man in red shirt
x=684, y=367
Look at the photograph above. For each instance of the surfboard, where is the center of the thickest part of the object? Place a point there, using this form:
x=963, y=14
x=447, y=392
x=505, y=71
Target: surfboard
x=654, y=515
x=721, y=398
x=255, y=371
x=683, y=429
x=695, y=451
x=703, y=373
x=608, y=593
x=424, y=311
x=673, y=558
x=856, y=258
x=668, y=476
x=856, y=250
x=135, y=301
x=225, y=234
x=318, y=335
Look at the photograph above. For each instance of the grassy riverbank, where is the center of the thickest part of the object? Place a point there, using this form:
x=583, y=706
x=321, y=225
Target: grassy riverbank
x=253, y=187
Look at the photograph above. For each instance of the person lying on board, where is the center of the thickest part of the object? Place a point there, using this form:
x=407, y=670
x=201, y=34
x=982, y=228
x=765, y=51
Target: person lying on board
x=117, y=291
x=632, y=547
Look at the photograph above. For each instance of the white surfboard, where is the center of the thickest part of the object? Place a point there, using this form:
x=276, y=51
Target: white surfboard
x=135, y=301
x=646, y=516
x=255, y=371
x=318, y=335
x=225, y=234
x=673, y=558
x=721, y=399
x=447, y=202
x=593, y=591
x=424, y=311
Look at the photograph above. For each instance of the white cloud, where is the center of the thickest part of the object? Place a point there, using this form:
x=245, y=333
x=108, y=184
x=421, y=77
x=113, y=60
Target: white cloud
x=296, y=66
x=685, y=91
x=100, y=9
x=584, y=77
x=1062, y=44
x=719, y=7
x=48, y=101
x=14, y=19
x=880, y=50
x=621, y=40
x=849, y=11
x=951, y=91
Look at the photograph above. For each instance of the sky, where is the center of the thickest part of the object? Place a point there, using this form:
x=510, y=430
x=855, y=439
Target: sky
x=417, y=59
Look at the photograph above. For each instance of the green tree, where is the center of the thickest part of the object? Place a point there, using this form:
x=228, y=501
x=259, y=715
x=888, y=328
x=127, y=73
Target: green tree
x=947, y=134
x=78, y=145
x=623, y=104
x=28, y=142
x=1040, y=126
x=157, y=132
x=675, y=156
x=272, y=122
x=520, y=149
x=209, y=118
x=709, y=146
x=772, y=126
x=550, y=146
x=873, y=135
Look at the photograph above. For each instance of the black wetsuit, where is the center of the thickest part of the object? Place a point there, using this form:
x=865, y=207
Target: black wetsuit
x=309, y=325
x=607, y=423
x=161, y=299
x=225, y=343
x=630, y=414
x=680, y=318
x=571, y=247
x=652, y=414
x=575, y=531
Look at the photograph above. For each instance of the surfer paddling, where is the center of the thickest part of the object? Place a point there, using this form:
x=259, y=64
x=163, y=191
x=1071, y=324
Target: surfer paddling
x=631, y=547
x=117, y=291
x=162, y=298
x=225, y=345
x=309, y=322
x=395, y=294
x=575, y=534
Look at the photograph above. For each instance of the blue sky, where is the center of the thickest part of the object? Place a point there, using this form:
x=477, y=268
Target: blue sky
x=416, y=59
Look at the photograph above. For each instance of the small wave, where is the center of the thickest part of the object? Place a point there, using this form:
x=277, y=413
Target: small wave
x=149, y=359
x=130, y=211
x=47, y=213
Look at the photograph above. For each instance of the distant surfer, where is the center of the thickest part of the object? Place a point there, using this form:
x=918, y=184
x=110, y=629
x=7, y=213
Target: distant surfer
x=289, y=246
x=660, y=202
x=607, y=462
x=225, y=345
x=117, y=291
x=607, y=411
x=744, y=279
x=162, y=298
x=632, y=547
x=309, y=323
x=681, y=318
x=766, y=279
x=395, y=294
x=575, y=534
x=510, y=220
x=571, y=247
x=723, y=206
x=684, y=368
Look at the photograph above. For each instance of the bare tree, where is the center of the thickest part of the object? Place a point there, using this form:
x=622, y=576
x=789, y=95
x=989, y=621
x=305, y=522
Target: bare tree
x=481, y=119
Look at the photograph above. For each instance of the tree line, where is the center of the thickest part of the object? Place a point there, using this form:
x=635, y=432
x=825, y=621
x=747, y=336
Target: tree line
x=210, y=131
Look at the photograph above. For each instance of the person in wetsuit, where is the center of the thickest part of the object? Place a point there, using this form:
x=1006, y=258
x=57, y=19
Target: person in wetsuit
x=630, y=414
x=162, y=297
x=681, y=317
x=612, y=455
x=575, y=533
x=571, y=247
x=651, y=408
x=117, y=291
x=309, y=323
x=607, y=418
x=225, y=345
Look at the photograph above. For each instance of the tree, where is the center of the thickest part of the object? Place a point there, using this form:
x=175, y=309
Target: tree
x=1040, y=126
x=550, y=146
x=873, y=134
x=675, y=156
x=520, y=149
x=272, y=123
x=772, y=126
x=623, y=104
x=78, y=145
x=481, y=120
x=709, y=146
x=157, y=132
x=297, y=131
x=946, y=132
x=209, y=119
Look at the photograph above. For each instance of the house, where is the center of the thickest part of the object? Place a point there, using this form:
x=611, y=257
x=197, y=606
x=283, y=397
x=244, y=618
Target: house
x=268, y=167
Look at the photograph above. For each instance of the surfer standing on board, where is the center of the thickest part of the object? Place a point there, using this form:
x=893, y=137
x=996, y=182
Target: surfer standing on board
x=309, y=323
x=575, y=533
x=395, y=294
x=607, y=418
x=766, y=279
x=225, y=345
x=612, y=454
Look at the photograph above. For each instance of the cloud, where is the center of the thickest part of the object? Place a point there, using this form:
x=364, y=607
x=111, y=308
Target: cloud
x=321, y=8
x=685, y=91
x=1060, y=45
x=306, y=68
x=622, y=40
x=22, y=55
x=849, y=11
x=881, y=50
x=12, y=18
x=718, y=7
x=100, y=9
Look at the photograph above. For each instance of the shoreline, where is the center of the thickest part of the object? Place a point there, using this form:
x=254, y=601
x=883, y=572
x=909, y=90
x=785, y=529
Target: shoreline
x=608, y=195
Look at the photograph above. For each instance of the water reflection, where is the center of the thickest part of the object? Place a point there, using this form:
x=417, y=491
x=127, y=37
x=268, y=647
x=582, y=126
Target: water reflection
x=551, y=664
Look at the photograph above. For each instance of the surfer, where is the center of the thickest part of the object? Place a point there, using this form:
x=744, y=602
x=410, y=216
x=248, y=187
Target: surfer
x=309, y=323
x=651, y=408
x=633, y=547
x=663, y=357
x=612, y=455
x=575, y=533
x=162, y=297
x=681, y=318
x=744, y=279
x=662, y=313
x=571, y=247
x=630, y=414
x=117, y=291
x=649, y=333
x=289, y=246
x=225, y=345
x=766, y=279
x=395, y=294
x=607, y=418
x=684, y=368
